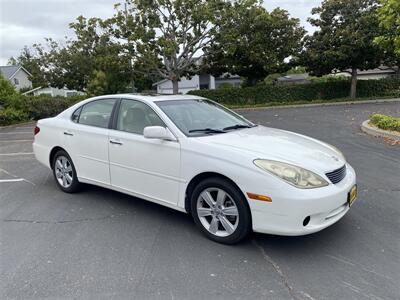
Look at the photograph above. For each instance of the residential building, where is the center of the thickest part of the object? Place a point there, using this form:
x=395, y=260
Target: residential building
x=51, y=91
x=197, y=82
x=17, y=75
x=377, y=73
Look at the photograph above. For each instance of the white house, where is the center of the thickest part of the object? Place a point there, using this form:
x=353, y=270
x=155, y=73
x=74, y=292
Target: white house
x=197, y=82
x=377, y=73
x=17, y=75
x=51, y=91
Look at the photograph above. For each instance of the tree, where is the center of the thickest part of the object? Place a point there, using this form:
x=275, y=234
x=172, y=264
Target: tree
x=32, y=63
x=165, y=35
x=253, y=42
x=389, y=40
x=344, y=40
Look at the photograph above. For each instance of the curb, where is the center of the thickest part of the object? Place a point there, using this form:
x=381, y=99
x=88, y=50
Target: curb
x=371, y=130
x=319, y=104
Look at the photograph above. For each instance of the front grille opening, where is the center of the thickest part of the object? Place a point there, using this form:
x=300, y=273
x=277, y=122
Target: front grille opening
x=337, y=175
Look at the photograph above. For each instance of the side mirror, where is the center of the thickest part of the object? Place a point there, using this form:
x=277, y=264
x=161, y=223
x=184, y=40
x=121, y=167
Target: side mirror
x=158, y=132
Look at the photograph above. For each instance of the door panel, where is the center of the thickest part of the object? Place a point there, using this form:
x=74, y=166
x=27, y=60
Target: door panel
x=149, y=167
x=88, y=140
x=143, y=166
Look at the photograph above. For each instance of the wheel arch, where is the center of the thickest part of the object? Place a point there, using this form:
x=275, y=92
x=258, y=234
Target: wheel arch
x=200, y=177
x=53, y=153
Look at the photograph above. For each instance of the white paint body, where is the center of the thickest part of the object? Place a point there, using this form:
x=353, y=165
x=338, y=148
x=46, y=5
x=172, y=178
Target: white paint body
x=160, y=170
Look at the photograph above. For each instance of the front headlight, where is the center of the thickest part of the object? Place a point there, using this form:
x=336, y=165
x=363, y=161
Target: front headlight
x=296, y=176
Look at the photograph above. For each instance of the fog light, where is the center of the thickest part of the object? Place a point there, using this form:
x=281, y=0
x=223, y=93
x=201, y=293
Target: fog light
x=306, y=221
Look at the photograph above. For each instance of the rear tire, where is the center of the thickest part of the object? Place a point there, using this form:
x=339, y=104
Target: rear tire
x=220, y=210
x=64, y=172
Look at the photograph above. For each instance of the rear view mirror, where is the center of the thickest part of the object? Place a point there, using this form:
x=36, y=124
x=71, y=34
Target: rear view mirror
x=158, y=132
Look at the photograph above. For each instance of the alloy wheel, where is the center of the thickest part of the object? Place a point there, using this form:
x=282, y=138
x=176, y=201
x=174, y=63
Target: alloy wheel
x=64, y=172
x=217, y=212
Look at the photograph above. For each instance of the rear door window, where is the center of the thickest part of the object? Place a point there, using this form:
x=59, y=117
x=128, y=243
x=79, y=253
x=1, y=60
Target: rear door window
x=97, y=113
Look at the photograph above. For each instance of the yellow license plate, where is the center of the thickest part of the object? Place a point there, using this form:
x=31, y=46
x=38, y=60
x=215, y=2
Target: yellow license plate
x=352, y=195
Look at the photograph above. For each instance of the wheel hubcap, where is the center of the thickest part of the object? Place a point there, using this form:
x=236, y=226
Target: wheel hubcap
x=63, y=169
x=217, y=212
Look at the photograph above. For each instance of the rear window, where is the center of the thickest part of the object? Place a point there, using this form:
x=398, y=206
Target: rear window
x=97, y=113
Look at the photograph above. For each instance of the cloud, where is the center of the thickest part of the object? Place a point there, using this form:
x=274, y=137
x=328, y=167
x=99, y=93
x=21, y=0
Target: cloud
x=25, y=22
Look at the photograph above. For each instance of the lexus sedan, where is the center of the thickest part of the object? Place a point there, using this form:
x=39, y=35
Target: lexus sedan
x=193, y=155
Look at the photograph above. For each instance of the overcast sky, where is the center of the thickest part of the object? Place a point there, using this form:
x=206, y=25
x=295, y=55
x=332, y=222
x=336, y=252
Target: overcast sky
x=24, y=22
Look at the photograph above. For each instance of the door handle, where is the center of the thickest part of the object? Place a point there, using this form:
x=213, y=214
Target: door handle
x=115, y=142
x=68, y=133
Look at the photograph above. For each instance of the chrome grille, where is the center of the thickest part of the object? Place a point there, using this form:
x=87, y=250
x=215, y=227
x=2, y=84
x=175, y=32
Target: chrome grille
x=337, y=175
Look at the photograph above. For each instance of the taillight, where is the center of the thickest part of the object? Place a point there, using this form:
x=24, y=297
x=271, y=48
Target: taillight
x=36, y=130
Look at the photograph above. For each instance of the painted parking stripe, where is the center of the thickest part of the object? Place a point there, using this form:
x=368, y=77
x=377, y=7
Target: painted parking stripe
x=16, y=154
x=17, y=132
x=15, y=141
x=12, y=180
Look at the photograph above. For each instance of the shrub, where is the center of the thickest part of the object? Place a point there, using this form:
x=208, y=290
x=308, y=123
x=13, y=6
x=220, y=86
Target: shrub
x=25, y=108
x=6, y=88
x=326, y=90
x=11, y=115
x=385, y=122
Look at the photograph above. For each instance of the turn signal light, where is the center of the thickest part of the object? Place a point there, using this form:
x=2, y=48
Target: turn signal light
x=36, y=130
x=259, y=197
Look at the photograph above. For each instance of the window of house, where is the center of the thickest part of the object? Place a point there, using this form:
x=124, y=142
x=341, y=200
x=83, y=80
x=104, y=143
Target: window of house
x=16, y=81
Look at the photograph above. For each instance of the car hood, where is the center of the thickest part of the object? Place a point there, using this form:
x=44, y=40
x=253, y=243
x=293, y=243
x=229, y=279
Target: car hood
x=280, y=145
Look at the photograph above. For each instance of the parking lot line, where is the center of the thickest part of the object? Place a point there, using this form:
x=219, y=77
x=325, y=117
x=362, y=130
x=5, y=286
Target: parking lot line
x=12, y=180
x=15, y=141
x=16, y=154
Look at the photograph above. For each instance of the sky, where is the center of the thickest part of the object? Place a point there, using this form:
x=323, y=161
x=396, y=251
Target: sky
x=25, y=22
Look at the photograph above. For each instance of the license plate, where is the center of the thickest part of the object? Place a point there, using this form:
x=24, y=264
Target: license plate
x=352, y=196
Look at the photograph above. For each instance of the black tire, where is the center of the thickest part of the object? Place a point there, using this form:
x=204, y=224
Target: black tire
x=75, y=185
x=244, y=224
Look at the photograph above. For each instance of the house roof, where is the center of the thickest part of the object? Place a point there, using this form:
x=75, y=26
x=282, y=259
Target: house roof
x=293, y=77
x=9, y=71
x=380, y=70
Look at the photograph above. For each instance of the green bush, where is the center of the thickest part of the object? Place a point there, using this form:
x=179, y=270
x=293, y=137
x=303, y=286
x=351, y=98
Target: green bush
x=25, y=108
x=6, y=88
x=326, y=90
x=385, y=122
x=11, y=115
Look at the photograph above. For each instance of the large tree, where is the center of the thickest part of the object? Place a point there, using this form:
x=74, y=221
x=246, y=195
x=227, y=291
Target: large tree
x=166, y=35
x=389, y=40
x=253, y=42
x=344, y=38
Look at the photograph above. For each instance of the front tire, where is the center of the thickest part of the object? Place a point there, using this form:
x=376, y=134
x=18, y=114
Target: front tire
x=221, y=211
x=64, y=172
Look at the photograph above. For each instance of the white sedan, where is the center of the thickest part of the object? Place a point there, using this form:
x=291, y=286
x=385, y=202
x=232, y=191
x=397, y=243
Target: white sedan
x=193, y=155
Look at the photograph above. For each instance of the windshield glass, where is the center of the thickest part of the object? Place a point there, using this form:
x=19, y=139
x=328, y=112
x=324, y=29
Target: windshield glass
x=201, y=117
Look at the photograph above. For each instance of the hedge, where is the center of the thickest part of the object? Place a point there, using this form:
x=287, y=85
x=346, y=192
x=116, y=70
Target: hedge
x=385, y=122
x=18, y=108
x=265, y=93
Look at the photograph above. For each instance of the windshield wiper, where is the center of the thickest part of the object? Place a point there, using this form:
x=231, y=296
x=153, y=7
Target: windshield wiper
x=208, y=130
x=237, y=126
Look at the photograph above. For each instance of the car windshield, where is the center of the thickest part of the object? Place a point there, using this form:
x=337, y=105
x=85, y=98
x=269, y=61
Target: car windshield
x=202, y=117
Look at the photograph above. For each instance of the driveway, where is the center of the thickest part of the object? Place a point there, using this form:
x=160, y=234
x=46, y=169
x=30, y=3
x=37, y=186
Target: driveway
x=101, y=244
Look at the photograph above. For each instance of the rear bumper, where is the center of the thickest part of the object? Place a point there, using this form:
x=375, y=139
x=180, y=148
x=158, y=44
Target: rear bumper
x=288, y=210
x=42, y=154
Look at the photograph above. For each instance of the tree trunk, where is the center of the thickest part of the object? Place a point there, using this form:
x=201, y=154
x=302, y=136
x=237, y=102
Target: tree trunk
x=175, y=89
x=353, y=88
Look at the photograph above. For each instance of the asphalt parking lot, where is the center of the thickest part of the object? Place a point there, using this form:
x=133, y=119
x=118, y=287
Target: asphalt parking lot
x=100, y=244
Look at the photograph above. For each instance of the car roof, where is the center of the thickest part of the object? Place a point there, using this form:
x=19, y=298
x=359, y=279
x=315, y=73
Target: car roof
x=155, y=97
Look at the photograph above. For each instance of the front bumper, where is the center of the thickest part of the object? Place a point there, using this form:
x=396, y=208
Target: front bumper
x=289, y=208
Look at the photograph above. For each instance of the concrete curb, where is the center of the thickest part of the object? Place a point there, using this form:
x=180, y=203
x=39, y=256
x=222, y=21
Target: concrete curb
x=372, y=130
x=318, y=104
